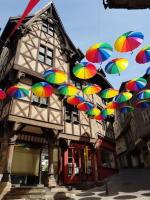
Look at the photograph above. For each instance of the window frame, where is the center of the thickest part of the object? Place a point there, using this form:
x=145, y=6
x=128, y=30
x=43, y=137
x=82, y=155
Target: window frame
x=71, y=115
x=39, y=101
x=49, y=27
x=45, y=55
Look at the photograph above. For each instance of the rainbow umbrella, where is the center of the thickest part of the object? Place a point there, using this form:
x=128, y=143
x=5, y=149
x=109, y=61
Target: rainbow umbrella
x=42, y=89
x=123, y=97
x=84, y=106
x=2, y=95
x=84, y=70
x=112, y=105
x=17, y=91
x=92, y=89
x=144, y=55
x=100, y=117
x=143, y=104
x=93, y=112
x=116, y=66
x=99, y=52
x=144, y=94
x=128, y=41
x=136, y=84
x=75, y=100
x=55, y=76
x=109, y=93
x=126, y=109
x=148, y=71
x=67, y=90
x=106, y=112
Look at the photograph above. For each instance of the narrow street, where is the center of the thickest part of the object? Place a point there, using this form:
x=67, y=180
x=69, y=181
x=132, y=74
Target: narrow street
x=128, y=184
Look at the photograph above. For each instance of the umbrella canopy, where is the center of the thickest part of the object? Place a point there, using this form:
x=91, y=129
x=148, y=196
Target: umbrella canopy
x=42, y=89
x=75, y=100
x=55, y=76
x=126, y=109
x=143, y=104
x=144, y=94
x=99, y=52
x=129, y=41
x=67, y=90
x=123, y=97
x=84, y=70
x=93, y=112
x=84, y=106
x=144, y=55
x=116, y=66
x=148, y=71
x=100, y=117
x=92, y=89
x=106, y=112
x=112, y=105
x=136, y=84
x=17, y=92
x=2, y=95
x=109, y=93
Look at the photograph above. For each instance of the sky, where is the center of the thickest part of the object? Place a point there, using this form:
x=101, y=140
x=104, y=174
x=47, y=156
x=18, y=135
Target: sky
x=87, y=22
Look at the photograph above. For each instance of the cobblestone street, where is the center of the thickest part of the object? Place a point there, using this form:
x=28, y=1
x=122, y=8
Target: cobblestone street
x=128, y=184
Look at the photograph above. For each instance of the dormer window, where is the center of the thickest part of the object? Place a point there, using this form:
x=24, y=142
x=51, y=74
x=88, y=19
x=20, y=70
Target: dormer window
x=48, y=28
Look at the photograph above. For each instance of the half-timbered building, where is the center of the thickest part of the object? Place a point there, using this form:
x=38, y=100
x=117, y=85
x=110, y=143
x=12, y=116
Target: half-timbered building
x=44, y=140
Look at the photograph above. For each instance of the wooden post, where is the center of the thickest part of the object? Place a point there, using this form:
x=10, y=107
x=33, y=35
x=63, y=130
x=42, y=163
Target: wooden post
x=7, y=169
x=40, y=167
x=51, y=178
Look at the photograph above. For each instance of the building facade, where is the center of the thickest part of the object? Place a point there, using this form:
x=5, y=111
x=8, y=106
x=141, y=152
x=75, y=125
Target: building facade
x=132, y=133
x=44, y=140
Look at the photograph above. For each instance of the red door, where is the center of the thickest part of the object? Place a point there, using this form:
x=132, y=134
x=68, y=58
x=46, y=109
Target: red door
x=76, y=167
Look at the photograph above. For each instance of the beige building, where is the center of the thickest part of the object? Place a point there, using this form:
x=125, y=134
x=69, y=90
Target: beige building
x=44, y=140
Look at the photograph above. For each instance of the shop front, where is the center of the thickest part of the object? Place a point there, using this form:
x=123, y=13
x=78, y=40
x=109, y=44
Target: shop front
x=79, y=164
x=106, y=159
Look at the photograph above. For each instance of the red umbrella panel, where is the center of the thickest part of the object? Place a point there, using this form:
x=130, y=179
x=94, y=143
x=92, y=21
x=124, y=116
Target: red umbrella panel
x=2, y=95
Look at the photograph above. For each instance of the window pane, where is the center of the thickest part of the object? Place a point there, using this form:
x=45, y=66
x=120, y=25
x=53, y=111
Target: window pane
x=43, y=101
x=42, y=49
x=49, y=52
x=44, y=28
x=49, y=61
x=41, y=57
x=50, y=32
x=35, y=98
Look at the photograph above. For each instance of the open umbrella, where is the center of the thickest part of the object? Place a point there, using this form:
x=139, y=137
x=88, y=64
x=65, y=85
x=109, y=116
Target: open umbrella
x=55, y=76
x=128, y=41
x=84, y=106
x=144, y=94
x=42, y=89
x=112, y=105
x=148, y=71
x=126, y=109
x=136, y=84
x=92, y=89
x=75, y=100
x=93, y=112
x=144, y=55
x=67, y=90
x=84, y=70
x=99, y=52
x=143, y=104
x=109, y=93
x=123, y=97
x=17, y=92
x=106, y=112
x=100, y=117
x=116, y=66
x=2, y=95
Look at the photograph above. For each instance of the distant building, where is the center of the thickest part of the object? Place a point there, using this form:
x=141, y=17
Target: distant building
x=132, y=134
x=128, y=4
x=44, y=140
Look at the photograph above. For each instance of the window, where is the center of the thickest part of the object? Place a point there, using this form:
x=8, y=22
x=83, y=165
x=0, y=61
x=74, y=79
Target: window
x=48, y=28
x=39, y=100
x=146, y=116
x=46, y=55
x=72, y=115
x=77, y=84
x=107, y=158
